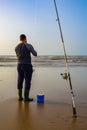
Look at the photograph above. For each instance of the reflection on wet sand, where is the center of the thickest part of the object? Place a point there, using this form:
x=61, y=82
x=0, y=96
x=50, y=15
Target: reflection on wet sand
x=16, y=115
x=23, y=116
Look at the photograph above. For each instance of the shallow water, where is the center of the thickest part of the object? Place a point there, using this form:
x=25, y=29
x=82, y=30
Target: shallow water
x=47, y=80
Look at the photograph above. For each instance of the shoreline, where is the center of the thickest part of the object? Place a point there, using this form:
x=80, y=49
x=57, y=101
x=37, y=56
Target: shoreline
x=48, y=63
x=44, y=58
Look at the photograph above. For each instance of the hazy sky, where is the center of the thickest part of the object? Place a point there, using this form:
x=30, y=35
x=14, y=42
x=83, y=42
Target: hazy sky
x=37, y=19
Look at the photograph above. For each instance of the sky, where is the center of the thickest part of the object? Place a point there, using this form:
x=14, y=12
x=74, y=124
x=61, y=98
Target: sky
x=37, y=19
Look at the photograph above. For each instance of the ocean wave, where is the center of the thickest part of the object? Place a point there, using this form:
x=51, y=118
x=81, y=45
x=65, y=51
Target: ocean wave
x=54, y=61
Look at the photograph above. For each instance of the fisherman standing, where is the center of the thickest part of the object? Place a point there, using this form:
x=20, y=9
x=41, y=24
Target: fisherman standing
x=23, y=52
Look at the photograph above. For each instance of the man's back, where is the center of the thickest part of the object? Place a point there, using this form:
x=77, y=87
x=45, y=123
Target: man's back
x=23, y=52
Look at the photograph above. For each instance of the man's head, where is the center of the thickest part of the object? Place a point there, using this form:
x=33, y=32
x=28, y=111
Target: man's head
x=23, y=38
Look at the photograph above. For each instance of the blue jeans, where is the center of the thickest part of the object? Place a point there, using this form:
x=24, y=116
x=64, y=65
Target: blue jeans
x=24, y=72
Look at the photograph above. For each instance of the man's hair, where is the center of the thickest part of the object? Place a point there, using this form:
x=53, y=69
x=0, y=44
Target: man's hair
x=22, y=37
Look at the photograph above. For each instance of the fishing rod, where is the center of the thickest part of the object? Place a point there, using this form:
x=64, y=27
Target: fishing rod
x=67, y=75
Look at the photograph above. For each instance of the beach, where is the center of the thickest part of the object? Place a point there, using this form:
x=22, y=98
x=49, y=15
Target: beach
x=56, y=112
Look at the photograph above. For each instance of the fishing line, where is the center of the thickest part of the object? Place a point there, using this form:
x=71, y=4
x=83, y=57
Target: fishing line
x=35, y=12
x=66, y=75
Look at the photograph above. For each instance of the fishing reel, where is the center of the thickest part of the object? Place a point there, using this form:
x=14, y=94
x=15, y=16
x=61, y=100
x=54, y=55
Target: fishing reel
x=64, y=75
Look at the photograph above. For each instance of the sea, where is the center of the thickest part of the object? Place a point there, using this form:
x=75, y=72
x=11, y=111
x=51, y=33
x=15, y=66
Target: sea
x=48, y=61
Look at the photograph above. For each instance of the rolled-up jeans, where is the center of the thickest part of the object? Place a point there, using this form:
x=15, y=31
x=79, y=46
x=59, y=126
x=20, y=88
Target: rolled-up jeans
x=24, y=73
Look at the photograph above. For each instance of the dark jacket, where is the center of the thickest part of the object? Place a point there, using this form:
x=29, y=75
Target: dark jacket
x=23, y=52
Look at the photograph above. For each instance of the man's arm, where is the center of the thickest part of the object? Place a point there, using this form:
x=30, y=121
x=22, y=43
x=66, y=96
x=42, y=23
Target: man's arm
x=33, y=51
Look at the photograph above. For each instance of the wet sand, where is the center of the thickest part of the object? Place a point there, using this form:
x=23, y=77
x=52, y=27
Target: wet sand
x=15, y=115
x=55, y=113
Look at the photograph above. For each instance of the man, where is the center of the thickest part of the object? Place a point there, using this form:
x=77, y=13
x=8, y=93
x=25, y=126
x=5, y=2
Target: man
x=24, y=67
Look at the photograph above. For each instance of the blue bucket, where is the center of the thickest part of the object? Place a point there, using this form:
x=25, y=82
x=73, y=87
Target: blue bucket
x=40, y=98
